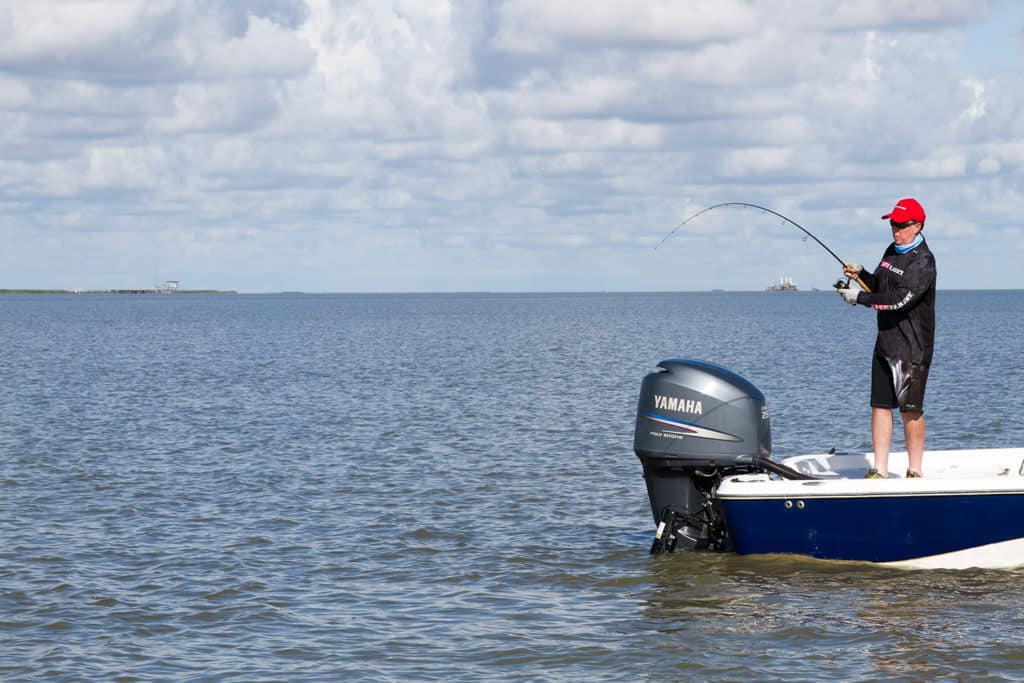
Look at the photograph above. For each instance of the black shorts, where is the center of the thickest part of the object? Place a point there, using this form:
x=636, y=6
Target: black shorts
x=898, y=384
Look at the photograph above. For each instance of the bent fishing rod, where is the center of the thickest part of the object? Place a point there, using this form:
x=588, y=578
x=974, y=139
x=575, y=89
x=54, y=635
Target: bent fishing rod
x=774, y=213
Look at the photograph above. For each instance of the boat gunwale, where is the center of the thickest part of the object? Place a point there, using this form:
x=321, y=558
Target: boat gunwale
x=966, y=472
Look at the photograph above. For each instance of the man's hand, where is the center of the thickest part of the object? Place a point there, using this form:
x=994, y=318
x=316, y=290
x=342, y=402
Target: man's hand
x=851, y=270
x=849, y=295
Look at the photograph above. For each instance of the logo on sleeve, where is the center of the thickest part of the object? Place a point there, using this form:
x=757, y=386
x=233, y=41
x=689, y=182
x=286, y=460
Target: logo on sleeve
x=888, y=266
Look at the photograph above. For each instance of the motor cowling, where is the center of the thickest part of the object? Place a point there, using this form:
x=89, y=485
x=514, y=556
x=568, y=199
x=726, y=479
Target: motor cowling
x=695, y=423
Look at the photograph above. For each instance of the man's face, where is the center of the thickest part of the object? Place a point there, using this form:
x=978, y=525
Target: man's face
x=904, y=233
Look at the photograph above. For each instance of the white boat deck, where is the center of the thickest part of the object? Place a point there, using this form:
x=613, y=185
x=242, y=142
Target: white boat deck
x=967, y=471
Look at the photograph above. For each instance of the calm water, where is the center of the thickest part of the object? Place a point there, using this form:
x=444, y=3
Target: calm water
x=309, y=488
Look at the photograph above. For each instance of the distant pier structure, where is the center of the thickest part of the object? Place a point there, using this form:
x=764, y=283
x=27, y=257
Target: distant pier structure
x=168, y=287
x=783, y=284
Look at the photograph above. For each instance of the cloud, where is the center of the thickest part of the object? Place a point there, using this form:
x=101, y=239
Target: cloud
x=383, y=135
x=141, y=41
x=539, y=26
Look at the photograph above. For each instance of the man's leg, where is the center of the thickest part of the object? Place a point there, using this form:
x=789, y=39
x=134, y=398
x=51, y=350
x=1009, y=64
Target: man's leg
x=881, y=437
x=913, y=432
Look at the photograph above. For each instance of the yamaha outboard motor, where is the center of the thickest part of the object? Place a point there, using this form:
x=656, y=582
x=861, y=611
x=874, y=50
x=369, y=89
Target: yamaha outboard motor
x=696, y=422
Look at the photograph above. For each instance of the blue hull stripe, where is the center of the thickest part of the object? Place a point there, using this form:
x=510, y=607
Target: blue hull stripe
x=874, y=529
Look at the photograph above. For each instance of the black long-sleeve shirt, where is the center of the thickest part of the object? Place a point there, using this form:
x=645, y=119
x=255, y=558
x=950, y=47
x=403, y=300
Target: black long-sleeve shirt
x=903, y=293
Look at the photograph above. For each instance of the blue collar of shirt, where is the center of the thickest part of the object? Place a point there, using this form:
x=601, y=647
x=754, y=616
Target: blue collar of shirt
x=907, y=247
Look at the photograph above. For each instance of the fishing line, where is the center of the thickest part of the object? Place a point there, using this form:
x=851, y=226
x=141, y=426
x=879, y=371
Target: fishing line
x=766, y=210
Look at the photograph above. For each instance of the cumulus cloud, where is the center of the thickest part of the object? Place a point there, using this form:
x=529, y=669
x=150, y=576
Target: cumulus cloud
x=540, y=26
x=331, y=140
x=143, y=41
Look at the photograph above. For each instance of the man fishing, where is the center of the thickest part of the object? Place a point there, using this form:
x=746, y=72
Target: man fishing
x=902, y=290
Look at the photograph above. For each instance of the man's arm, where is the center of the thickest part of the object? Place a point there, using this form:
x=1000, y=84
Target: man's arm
x=918, y=279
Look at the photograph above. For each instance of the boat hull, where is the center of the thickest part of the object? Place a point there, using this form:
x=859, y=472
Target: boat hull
x=969, y=514
x=874, y=529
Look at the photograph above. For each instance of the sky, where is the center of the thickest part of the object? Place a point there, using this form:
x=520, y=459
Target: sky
x=503, y=145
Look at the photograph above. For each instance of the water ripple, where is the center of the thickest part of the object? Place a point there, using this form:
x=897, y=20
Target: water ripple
x=441, y=487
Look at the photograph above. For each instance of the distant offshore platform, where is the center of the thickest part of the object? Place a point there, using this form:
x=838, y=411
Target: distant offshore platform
x=783, y=284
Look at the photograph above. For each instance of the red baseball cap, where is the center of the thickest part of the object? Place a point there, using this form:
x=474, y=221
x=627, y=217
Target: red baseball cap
x=906, y=210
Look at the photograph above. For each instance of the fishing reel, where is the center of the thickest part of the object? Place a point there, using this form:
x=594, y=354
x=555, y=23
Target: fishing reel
x=842, y=284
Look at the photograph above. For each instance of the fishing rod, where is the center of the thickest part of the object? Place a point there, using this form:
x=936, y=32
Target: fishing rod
x=774, y=213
